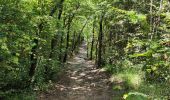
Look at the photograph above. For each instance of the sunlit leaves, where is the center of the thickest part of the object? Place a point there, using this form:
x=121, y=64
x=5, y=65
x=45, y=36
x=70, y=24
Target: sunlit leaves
x=135, y=96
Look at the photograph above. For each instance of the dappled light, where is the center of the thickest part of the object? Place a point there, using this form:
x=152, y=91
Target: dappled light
x=84, y=49
x=81, y=81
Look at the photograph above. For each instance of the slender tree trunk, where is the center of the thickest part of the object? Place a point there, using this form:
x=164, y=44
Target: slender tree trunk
x=157, y=22
x=96, y=51
x=54, y=40
x=68, y=37
x=60, y=9
x=168, y=5
x=79, y=36
x=92, y=44
x=33, y=57
x=61, y=43
x=110, y=46
x=71, y=17
x=87, y=49
x=151, y=19
x=73, y=42
x=100, y=39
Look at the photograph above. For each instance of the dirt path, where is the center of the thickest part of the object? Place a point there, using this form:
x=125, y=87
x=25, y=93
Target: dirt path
x=81, y=81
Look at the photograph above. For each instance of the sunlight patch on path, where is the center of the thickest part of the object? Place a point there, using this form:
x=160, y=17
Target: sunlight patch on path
x=81, y=81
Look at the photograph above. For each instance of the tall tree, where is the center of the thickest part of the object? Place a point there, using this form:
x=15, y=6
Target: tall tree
x=100, y=39
x=34, y=55
x=54, y=40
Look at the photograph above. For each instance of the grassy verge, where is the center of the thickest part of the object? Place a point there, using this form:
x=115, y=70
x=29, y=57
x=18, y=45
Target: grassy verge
x=131, y=81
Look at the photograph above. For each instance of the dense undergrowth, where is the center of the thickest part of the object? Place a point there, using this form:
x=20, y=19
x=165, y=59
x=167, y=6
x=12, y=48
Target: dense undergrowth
x=144, y=75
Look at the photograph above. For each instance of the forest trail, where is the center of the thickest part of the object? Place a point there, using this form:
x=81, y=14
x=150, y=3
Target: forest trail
x=81, y=81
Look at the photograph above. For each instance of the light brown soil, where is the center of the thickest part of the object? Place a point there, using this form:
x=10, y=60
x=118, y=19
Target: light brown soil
x=81, y=81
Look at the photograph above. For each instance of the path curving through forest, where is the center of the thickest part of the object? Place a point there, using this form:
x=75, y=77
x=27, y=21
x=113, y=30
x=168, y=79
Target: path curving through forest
x=81, y=81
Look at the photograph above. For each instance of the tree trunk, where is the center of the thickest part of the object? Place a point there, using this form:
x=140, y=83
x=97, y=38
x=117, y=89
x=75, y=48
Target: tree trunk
x=87, y=49
x=54, y=40
x=61, y=43
x=92, y=44
x=157, y=22
x=73, y=42
x=151, y=19
x=110, y=46
x=33, y=58
x=96, y=52
x=168, y=5
x=79, y=36
x=71, y=17
x=100, y=39
x=68, y=37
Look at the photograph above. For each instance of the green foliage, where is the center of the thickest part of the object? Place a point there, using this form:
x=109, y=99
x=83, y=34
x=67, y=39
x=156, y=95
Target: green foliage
x=22, y=23
x=155, y=91
x=135, y=96
x=21, y=96
x=156, y=66
x=18, y=28
x=134, y=37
